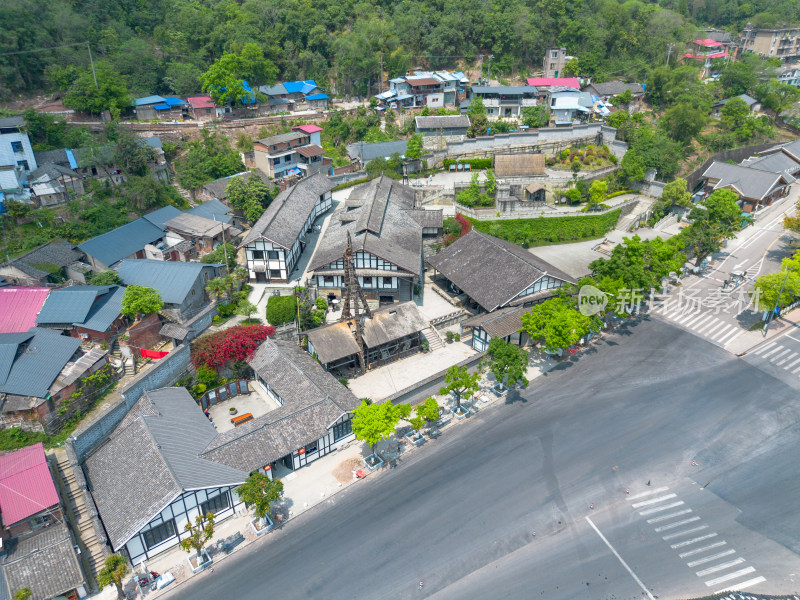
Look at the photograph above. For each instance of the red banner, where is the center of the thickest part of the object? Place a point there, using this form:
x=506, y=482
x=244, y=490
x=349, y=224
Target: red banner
x=145, y=353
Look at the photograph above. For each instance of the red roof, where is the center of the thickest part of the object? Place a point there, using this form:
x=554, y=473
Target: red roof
x=423, y=81
x=201, y=102
x=718, y=55
x=26, y=486
x=550, y=81
x=19, y=307
x=709, y=43
x=308, y=128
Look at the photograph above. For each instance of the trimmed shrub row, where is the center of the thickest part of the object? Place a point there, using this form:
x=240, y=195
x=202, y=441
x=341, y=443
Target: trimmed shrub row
x=281, y=309
x=475, y=163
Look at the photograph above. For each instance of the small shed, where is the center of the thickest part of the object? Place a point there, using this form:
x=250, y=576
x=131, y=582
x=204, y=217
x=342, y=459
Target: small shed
x=519, y=165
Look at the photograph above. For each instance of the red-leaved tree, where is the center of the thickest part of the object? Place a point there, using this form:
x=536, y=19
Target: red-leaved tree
x=216, y=350
x=466, y=224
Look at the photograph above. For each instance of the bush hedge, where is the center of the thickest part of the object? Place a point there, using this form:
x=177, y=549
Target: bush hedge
x=281, y=309
x=549, y=230
x=348, y=184
x=475, y=163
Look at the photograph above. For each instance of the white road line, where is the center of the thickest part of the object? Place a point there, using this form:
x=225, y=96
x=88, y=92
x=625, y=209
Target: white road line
x=694, y=319
x=676, y=524
x=792, y=338
x=791, y=364
x=760, y=350
x=653, y=500
x=730, y=576
x=708, y=327
x=743, y=585
x=672, y=536
x=701, y=561
x=720, y=567
x=779, y=354
x=734, y=337
x=724, y=332
x=694, y=541
x=670, y=516
x=650, y=511
x=703, y=549
x=727, y=337
x=795, y=370
x=773, y=351
x=624, y=564
x=648, y=493
x=790, y=357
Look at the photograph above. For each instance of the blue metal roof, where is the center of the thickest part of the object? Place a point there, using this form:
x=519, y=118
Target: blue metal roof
x=173, y=280
x=161, y=216
x=148, y=100
x=106, y=310
x=34, y=365
x=213, y=209
x=161, y=106
x=69, y=305
x=402, y=97
x=110, y=248
x=317, y=97
x=175, y=102
x=299, y=86
x=71, y=158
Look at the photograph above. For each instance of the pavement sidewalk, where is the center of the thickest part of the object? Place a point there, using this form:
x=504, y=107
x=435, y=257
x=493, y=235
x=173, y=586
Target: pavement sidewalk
x=751, y=340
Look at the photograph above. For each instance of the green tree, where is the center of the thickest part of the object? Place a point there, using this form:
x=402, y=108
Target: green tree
x=598, y=191
x=23, y=594
x=199, y=532
x=428, y=410
x=105, y=278
x=110, y=94
x=571, y=68
x=623, y=100
x=242, y=193
x=509, y=362
x=223, y=80
x=676, y=194
x=414, y=146
x=640, y=264
x=115, y=568
x=536, y=116
x=374, y=422
x=683, y=122
x=182, y=79
x=132, y=154
x=246, y=309
x=476, y=106
x=140, y=301
x=208, y=159
x=737, y=78
x=734, y=113
x=461, y=383
x=259, y=491
x=218, y=254
x=556, y=323
x=714, y=220
x=632, y=167
x=777, y=95
x=768, y=286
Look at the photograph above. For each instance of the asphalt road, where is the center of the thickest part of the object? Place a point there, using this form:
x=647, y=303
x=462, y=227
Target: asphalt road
x=640, y=405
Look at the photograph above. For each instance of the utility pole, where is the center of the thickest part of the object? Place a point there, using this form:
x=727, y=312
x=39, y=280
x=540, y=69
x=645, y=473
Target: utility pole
x=669, y=51
x=380, y=82
x=775, y=308
x=91, y=62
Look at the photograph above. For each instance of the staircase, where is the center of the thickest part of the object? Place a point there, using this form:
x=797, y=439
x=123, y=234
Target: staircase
x=187, y=195
x=670, y=219
x=434, y=341
x=92, y=551
x=130, y=367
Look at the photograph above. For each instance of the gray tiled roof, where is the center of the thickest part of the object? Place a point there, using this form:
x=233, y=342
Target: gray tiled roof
x=498, y=323
x=313, y=400
x=750, y=183
x=93, y=156
x=790, y=148
x=491, y=271
x=505, y=90
x=749, y=100
x=58, y=157
x=368, y=152
x=173, y=280
x=284, y=220
x=35, y=360
x=70, y=305
x=175, y=331
x=197, y=226
x=107, y=308
x=162, y=215
x=377, y=216
x=152, y=457
x=428, y=218
x=775, y=162
x=111, y=247
x=218, y=188
x=9, y=122
x=281, y=138
x=45, y=563
x=52, y=171
x=57, y=252
x=612, y=88
x=272, y=90
x=214, y=210
x=444, y=122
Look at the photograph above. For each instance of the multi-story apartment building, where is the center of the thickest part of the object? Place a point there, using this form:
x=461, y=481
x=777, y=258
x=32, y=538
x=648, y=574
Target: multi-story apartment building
x=782, y=43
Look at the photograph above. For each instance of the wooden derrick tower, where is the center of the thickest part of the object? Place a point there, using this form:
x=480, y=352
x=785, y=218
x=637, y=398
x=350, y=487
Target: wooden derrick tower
x=354, y=296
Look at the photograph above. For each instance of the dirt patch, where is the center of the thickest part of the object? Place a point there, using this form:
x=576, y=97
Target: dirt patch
x=344, y=472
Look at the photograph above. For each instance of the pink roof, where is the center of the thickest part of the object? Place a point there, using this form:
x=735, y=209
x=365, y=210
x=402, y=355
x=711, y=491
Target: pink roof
x=26, y=486
x=548, y=81
x=308, y=128
x=19, y=307
x=201, y=102
x=709, y=43
x=718, y=55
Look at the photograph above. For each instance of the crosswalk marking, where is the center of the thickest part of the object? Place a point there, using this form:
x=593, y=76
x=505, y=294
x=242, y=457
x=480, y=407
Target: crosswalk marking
x=788, y=358
x=650, y=511
x=676, y=524
x=730, y=576
x=720, y=567
x=765, y=347
x=795, y=371
x=773, y=351
x=647, y=493
x=672, y=536
x=724, y=332
x=701, y=561
x=791, y=364
x=653, y=501
x=703, y=549
x=716, y=324
x=669, y=516
x=743, y=585
x=779, y=354
x=728, y=337
x=708, y=536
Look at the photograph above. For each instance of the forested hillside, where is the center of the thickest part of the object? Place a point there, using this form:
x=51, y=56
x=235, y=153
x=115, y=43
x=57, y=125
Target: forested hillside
x=162, y=46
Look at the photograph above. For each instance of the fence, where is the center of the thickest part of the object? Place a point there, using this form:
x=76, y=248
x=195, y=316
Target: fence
x=224, y=392
x=525, y=210
x=450, y=319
